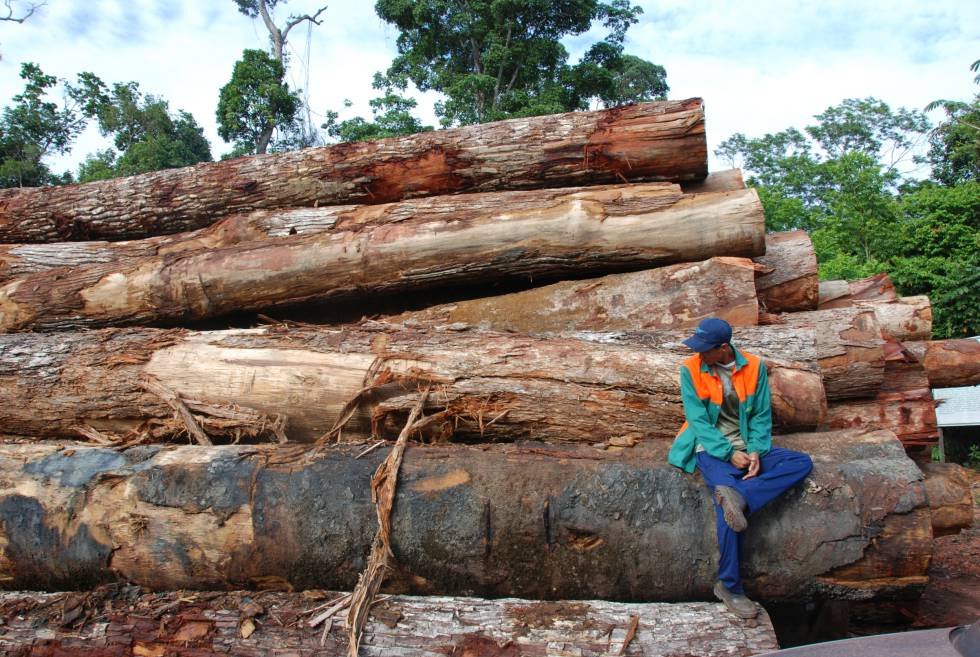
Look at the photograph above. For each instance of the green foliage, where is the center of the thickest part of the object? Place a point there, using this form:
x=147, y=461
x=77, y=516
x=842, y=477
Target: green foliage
x=34, y=127
x=955, y=143
x=255, y=103
x=973, y=457
x=497, y=59
x=392, y=117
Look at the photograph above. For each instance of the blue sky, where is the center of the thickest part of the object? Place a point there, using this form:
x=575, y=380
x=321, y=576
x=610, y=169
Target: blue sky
x=761, y=66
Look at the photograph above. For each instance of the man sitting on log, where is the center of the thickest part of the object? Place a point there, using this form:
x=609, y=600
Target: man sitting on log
x=728, y=437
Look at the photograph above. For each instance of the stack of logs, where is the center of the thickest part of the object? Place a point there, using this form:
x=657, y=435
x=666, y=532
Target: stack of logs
x=538, y=468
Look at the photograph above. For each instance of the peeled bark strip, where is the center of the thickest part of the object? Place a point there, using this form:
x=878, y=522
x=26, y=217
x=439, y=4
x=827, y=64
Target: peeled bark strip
x=849, y=347
x=950, y=496
x=415, y=245
x=675, y=296
x=904, y=318
x=527, y=520
x=487, y=386
x=189, y=624
x=792, y=282
x=949, y=363
x=646, y=141
x=843, y=294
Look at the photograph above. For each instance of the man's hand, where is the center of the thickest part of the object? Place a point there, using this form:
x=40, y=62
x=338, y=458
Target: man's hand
x=754, y=466
x=740, y=460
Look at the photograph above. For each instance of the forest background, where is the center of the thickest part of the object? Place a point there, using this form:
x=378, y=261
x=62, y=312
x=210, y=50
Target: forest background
x=880, y=185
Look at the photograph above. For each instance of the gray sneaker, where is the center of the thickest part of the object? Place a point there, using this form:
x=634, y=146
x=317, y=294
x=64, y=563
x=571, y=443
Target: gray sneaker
x=733, y=505
x=737, y=603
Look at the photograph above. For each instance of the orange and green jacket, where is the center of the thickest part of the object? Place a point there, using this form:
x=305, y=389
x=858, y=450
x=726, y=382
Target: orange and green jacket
x=701, y=393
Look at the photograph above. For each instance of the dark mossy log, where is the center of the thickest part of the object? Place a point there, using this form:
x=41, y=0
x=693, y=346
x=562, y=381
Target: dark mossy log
x=397, y=248
x=126, y=623
x=792, y=283
x=487, y=386
x=948, y=487
x=948, y=363
x=646, y=141
x=843, y=294
x=850, y=349
x=675, y=296
x=904, y=318
x=524, y=519
x=729, y=180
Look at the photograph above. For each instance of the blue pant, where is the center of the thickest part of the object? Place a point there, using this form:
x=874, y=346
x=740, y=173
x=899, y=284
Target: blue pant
x=781, y=470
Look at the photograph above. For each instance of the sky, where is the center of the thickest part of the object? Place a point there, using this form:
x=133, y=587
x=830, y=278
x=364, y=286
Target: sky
x=760, y=65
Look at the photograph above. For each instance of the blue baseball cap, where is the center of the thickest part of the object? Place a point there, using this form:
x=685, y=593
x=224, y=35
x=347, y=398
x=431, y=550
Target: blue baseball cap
x=710, y=333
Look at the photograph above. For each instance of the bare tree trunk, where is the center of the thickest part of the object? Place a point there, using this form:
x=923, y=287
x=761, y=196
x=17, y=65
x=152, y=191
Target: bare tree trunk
x=792, y=282
x=949, y=363
x=527, y=520
x=849, y=347
x=843, y=294
x=414, y=245
x=246, y=383
x=191, y=624
x=675, y=296
x=647, y=141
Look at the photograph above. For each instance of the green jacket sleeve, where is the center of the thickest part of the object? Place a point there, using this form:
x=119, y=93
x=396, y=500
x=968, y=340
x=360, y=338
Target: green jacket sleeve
x=699, y=423
x=760, y=416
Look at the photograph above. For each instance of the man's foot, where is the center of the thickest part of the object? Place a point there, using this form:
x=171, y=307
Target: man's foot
x=733, y=505
x=737, y=603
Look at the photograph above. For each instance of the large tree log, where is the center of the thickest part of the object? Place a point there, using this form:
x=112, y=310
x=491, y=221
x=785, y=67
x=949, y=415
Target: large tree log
x=948, y=487
x=949, y=363
x=729, y=180
x=191, y=624
x=414, y=245
x=646, y=141
x=792, y=284
x=489, y=386
x=904, y=318
x=850, y=349
x=843, y=294
x=525, y=520
x=675, y=296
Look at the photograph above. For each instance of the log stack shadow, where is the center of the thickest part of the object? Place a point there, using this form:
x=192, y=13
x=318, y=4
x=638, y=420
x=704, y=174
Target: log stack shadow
x=538, y=470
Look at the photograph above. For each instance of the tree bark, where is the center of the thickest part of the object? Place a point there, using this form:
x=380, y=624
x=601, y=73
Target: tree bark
x=850, y=349
x=904, y=318
x=792, y=284
x=646, y=141
x=949, y=363
x=843, y=294
x=948, y=487
x=528, y=520
x=415, y=245
x=191, y=624
x=488, y=386
x=676, y=296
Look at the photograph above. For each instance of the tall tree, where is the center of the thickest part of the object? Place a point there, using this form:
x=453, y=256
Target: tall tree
x=955, y=143
x=494, y=59
x=257, y=101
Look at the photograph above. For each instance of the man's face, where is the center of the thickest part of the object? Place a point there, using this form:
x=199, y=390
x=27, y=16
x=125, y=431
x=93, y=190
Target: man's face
x=719, y=354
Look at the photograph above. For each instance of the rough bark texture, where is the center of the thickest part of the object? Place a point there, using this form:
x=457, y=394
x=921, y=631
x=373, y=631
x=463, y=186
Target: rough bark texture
x=675, y=296
x=729, y=180
x=843, y=294
x=395, y=248
x=527, y=520
x=646, y=141
x=488, y=386
x=904, y=318
x=849, y=347
x=949, y=363
x=792, y=284
x=950, y=497
x=192, y=624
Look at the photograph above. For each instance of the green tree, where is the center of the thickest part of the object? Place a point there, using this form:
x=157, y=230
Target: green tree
x=392, y=117
x=496, y=59
x=955, y=143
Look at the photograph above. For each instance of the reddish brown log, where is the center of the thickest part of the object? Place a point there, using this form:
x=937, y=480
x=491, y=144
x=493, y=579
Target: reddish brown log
x=489, y=386
x=948, y=487
x=566, y=522
x=791, y=284
x=675, y=296
x=843, y=294
x=719, y=181
x=191, y=624
x=394, y=248
x=849, y=347
x=646, y=141
x=949, y=363
x=904, y=318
